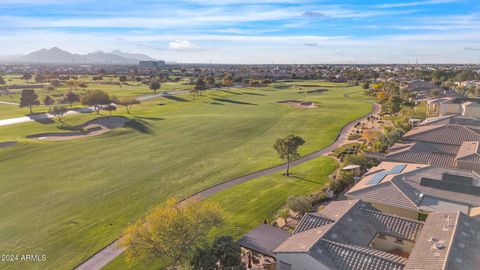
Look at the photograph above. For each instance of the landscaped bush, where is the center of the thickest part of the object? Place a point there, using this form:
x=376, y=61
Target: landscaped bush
x=299, y=204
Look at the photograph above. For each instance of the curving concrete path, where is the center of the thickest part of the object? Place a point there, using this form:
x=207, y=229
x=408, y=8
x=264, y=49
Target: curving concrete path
x=113, y=250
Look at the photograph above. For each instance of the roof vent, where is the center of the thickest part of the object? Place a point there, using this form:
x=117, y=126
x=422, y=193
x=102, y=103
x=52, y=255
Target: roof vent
x=439, y=246
x=462, y=245
x=458, y=260
x=433, y=239
x=334, y=236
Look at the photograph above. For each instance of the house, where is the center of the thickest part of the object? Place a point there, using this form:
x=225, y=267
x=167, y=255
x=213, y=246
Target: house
x=414, y=190
x=468, y=121
x=417, y=85
x=150, y=64
x=456, y=106
x=354, y=235
x=447, y=141
x=466, y=156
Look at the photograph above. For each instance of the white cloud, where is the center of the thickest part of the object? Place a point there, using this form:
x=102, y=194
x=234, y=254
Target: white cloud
x=417, y=3
x=182, y=45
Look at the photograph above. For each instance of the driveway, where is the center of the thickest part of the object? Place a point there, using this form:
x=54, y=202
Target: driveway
x=110, y=252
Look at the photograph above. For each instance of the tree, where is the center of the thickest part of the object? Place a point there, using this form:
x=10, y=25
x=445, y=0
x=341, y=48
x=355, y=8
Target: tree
x=200, y=85
x=27, y=77
x=55, y=83
x=227, y=252
x=287, y=149
x=299, y=204
x=28, y=99
x=96, y=98
x=48, y=101
x=39, y=78
x=2, y=81
x=155, y=86
x=366, y=85
x=59, y=112
x=284, y=213
x=172, y=231
x=139, y=80
x=72, y=84
x=123, y=78
x=128, y=103
x=110, y=108
x=70, y=97
x=224, y=254
x=204, y=259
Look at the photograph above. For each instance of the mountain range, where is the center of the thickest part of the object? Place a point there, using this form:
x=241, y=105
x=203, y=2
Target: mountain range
x=58, y=56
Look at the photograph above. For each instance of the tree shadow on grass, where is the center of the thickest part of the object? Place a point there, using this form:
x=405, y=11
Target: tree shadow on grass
x=41, y=118
x=139, y=125
x=150, y=118
x=175, y=98
x=231, y=92
x=233, y=101
x=216, y=103
x=253, y=94
x=304, y=179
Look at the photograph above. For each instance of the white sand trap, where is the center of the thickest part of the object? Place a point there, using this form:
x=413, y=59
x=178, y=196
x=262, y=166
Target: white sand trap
x=91, y=128
x=298, y=104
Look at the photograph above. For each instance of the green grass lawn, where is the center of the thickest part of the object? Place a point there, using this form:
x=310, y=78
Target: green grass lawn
x=249, y=203
x=69, y=199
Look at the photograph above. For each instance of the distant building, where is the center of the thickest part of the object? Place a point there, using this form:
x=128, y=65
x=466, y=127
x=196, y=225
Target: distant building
x=151, y=64
x=456, y=106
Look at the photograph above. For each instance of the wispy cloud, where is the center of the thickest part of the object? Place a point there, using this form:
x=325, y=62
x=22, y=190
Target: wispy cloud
x=182, y=45
x=416, y=3
x=472, y=49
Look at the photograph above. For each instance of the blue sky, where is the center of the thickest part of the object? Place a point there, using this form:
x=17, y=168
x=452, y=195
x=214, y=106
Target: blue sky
x=250, y=31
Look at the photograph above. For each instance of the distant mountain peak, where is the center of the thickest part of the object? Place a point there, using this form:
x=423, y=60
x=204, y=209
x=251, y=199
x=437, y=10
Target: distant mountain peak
x=59, y=56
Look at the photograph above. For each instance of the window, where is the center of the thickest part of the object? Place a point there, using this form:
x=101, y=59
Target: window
x=399, y=241
x=381, y=236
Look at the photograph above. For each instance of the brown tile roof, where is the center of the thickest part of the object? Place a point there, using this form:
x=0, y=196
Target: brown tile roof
x=303, y=241
x=445, y=134
x=407, y=191
x=469, y=151
x=384, y=193
x=312, y=220
x=346, y=256
x=453, y=120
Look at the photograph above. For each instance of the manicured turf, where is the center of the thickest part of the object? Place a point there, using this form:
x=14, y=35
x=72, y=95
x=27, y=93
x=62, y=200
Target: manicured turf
x=68, y=199
x=249, y=203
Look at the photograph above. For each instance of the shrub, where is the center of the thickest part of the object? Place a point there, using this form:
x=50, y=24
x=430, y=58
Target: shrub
x=299, y=204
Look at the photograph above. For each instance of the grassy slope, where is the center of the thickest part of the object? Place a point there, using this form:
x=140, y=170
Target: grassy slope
x=69, y=199
x=249, y=203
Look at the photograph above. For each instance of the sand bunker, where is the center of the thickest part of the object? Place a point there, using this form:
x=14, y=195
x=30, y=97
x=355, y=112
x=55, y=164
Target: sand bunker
x=91, y=128
x=298, y=104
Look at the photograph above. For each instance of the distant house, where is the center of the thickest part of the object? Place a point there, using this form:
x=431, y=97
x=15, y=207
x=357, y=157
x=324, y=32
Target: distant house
x=417, y=85
x=456, y=106
x=354, y=235
x=448, y=141
x=150, y=64
x=413, y=190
